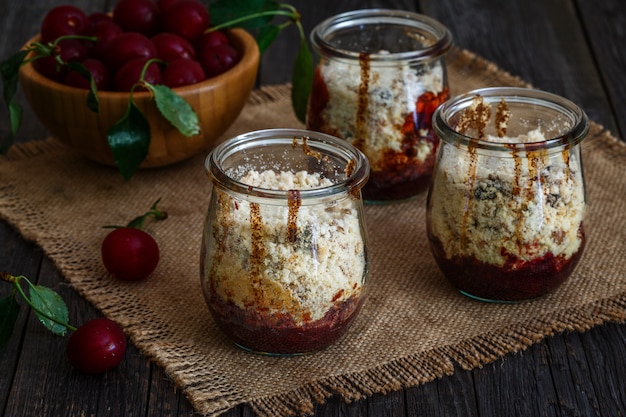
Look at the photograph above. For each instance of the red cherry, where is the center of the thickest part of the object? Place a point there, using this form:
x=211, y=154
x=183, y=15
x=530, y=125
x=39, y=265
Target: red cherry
x=171, y=47
x=104, y=30
x=99, y=72
x=96, y=346
x=211, y=39
x=127, y=46
x=98, y=17
x=218, y=59
x=129, y=74
x=61, y=21
x=162, y=5
x=182, y=72
x=187, y=18
x=72, y=50
x=137, y=16
x=130, y=254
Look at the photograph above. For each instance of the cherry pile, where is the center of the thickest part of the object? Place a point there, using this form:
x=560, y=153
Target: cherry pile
x=172, y=34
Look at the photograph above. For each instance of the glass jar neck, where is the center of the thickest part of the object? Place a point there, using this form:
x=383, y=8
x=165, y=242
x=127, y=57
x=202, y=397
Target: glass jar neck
x=273, y=149
x=384, y=35
x=561, y=122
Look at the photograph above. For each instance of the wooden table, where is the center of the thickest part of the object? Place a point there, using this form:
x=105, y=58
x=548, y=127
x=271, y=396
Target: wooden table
x=575, y=48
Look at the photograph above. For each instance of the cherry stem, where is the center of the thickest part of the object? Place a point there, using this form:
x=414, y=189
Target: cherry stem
x=291, y=14
x=139, y=221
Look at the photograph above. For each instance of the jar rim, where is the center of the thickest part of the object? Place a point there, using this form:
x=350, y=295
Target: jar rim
x=356, y=18
x=278, y=136
x=519, y=95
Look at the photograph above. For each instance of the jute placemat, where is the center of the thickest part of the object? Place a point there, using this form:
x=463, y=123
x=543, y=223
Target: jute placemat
x=414, y=327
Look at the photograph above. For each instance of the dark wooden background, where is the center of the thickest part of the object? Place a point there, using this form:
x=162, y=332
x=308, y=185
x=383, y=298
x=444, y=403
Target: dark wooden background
x=575, y=48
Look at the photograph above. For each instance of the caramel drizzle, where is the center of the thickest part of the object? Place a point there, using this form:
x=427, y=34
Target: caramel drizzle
x=362, y=102
x=257, y=254
x=502, y=118
x=349, y=169
x=306, y=148
x=566, y=160
x=294, y=201
x=268, y=294
x=475, y=117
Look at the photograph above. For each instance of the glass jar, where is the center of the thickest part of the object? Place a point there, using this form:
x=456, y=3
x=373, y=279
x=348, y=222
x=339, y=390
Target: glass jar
x=380, y=76
x=506, y=207
x=284, y=251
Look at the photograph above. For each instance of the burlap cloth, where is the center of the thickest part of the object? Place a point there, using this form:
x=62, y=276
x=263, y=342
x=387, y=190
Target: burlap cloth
x=414, y=327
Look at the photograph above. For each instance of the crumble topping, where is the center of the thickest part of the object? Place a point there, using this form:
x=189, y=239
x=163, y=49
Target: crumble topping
x=298, y=260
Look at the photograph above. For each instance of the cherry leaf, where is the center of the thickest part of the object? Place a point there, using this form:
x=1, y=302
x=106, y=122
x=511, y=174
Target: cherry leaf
x=9, y=310
x=266, y=36
x=302, y=80
x=129, y=140
x=176, y=110
x=9, y=69
x=48, y=302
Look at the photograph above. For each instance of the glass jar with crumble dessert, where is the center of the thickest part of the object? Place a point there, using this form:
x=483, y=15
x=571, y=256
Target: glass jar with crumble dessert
x=506, y=207
x=380, y=76
x=284, y=251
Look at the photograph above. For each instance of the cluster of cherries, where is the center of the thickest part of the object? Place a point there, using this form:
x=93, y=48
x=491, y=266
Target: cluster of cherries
x=172, y=34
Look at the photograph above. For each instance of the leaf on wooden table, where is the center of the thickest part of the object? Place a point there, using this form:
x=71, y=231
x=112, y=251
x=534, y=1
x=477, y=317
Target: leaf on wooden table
x=48, y=302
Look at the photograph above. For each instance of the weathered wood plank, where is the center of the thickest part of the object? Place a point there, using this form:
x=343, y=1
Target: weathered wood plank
x=572, y=374
x=17, y=257
x=46, y=384
x=452, y=395
x=605, y=22
x=518, y=385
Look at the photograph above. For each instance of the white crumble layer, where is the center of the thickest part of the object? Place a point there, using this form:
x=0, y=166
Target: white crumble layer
x=393, y=92
x=543, y=217
x=303, y=279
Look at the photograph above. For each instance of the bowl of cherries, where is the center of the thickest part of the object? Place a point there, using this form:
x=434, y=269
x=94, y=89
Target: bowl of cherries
x=146, y=85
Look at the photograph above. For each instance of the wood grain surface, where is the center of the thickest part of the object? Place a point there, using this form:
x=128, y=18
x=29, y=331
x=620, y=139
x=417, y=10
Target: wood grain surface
x=575, y=48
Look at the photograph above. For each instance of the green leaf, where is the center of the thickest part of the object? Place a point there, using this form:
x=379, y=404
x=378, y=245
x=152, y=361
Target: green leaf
x=93, y=103
x=129, y=140
x=9, y=69
x=225, y=11
x=9, y=310
x=302, y=80
x=48, y=302
x=266, y=36
x=176, y=110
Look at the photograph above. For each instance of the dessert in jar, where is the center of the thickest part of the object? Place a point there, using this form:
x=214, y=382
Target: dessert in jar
x=284, y=252
x=505, y=214
x=380, y=76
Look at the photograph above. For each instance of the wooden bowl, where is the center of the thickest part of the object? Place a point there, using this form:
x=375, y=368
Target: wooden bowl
x=217, y=101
